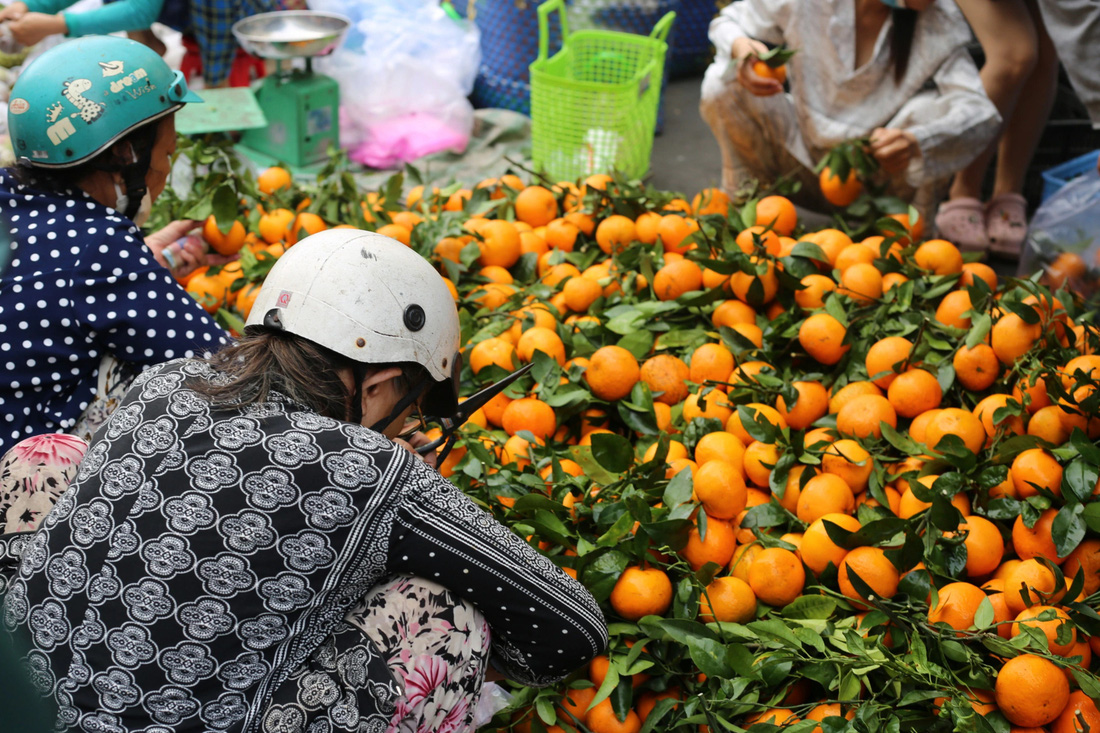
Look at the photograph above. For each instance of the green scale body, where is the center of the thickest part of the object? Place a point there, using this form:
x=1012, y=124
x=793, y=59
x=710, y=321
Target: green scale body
x=302, y=110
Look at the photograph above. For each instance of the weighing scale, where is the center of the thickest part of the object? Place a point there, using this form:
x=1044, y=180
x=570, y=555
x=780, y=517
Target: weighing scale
x=302, y=108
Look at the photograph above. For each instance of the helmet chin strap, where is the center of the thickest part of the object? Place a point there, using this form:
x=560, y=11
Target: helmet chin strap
x=133, y=175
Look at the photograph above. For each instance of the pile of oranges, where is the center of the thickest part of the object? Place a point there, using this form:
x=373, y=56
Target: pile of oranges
x=818, y=483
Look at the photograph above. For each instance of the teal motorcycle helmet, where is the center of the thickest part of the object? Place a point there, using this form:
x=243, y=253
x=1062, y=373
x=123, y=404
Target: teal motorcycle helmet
x=80, y=97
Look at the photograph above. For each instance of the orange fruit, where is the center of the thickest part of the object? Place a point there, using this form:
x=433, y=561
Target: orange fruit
x=1036, y=541
x=720, y=446
x=1050, y=629
x=824, y=494
x=712, y=404
x=727, y=599
x=645, y=227
x=862, y=417
x=717, y=546
x=758, y=462
x=1036, y=468
x=677, y=278
x=493, y=350
x=812, y=295
x=748, y=238
x=530, y=414
x=855, y=254
x=580, y=293
x=812, y=404
x=615, y=233
x=710, y=362
x=972, y=271
x=939, y=256
x=1085, y=558
x=602, y=719
x=850, y=461
x=760, y=412
x=985, y=548
x=710, y=201
x=778, y=213
x=873, y=568
x=209, y=290
x=500, y=244
x=839, y=191
x=1011, y=337
x=536, y=206
x=861, y=282
x=818, y=549
x=1031, y=691
x=886, y=356
x=732, y=312
x=641, y=592
x=987, y=408
x=849, y=392
x=273, y=179
x=952, y=307
x=539, y=338
x=274, y=225
x=822, y=336
x=1034, y=577
x=308, y=223
x=576, y=701
x=954, y=421
x=649, y=700
x=957, y=604
x=776, y=576
x=914, y=392
x=1079, y=708
x=673, y=230
x=612, y=372
x=229, y=243
x=720, y=488
x=977, y=368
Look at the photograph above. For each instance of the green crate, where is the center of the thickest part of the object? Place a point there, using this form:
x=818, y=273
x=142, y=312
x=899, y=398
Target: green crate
x=594, y=102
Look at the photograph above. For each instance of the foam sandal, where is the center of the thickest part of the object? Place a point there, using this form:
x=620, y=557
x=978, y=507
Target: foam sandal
x=1006, y=222
x=962, y=221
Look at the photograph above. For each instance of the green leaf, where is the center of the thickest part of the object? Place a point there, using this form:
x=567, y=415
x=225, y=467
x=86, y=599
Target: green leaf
x=709, y=656
x=1079, y=479
x=1088, y=450
x=979, y=329
x=765, y=515
x=810, y=607
x=639, y=343
x=1092, y=515
x=613, y=452
x=678, y=490
x=809, y=250
x=601, y=575
x=225, y=206
x=1068, y=528
x=904, y=443
x=756, y=425
x=777, y=631
x=983, y=617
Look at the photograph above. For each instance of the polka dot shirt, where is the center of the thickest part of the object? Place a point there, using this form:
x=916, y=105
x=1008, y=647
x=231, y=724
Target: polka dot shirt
x=80, y=283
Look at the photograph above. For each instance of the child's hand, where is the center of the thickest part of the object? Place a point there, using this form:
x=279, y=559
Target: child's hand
x=893, y=148
x=745, y=52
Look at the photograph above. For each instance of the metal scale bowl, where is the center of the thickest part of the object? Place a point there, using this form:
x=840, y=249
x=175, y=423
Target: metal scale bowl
x=301, y=107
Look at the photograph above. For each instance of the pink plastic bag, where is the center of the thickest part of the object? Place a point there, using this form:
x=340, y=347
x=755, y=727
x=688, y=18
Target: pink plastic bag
x=399, y=140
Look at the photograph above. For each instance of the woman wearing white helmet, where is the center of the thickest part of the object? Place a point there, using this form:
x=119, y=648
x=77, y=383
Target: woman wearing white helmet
x=249, y=545
x=91, y=122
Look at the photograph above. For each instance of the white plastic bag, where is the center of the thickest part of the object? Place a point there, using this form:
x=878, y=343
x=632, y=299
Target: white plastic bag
x=404, y=71
x=1064, y=237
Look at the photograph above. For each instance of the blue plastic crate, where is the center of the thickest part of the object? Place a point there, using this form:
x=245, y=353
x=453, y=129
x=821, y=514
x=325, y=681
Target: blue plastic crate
x=1058, y=176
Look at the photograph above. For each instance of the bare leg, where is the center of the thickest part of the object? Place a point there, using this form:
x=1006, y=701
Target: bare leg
x=1007, y=32
x=1025, y=126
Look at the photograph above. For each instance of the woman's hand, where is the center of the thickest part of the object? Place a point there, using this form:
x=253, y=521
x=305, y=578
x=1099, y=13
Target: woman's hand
x=745, y=52
x=415, y=441
x=893, y=148
x=180, y=252
x=30, y=28
x=14, y=11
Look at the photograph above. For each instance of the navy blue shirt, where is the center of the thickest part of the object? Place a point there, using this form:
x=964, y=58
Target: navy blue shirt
x=80, y=284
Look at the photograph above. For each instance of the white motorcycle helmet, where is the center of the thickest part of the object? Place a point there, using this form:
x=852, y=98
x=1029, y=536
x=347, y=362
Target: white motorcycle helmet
x=371, y=299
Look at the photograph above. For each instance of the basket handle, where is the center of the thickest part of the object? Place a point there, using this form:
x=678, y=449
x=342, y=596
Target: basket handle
x=664, y=25
x=544, y=25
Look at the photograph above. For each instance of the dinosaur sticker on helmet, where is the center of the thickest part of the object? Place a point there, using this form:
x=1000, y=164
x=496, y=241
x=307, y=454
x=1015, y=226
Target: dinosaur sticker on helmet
x=88, y=110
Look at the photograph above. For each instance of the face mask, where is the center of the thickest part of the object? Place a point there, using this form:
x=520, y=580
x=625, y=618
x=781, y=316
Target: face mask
x=899, y=4
x=122, y=201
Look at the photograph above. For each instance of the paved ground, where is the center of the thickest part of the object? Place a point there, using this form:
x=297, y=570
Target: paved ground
x=685, y=155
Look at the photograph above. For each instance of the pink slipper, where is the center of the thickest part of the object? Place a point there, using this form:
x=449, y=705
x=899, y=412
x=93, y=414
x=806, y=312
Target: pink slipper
x=962, y=221
x=1006, y=221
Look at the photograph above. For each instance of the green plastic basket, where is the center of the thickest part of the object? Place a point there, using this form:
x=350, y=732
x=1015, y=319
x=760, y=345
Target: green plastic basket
x=594, y=102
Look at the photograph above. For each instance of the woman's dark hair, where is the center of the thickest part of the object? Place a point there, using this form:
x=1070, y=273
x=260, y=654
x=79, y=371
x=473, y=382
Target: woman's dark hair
x=901, y=42
x=267, y=359
x=68, y=179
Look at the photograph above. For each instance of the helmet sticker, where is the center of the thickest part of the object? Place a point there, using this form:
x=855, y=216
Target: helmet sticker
x=18, y=106
x=111, y=68
x=88, y=110
x=137, y=75
x=61, y=131
x=284, y=299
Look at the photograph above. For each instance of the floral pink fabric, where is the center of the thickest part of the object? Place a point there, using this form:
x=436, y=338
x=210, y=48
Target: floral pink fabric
x=33, y=474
